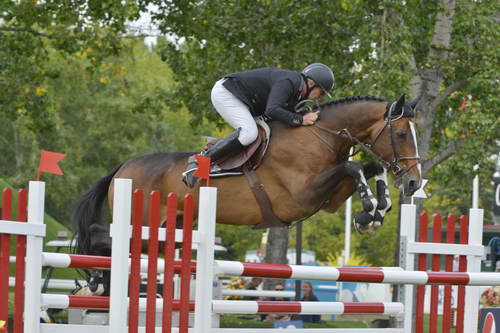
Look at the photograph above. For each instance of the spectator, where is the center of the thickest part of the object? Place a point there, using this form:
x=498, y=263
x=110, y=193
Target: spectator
x=253, y=285
x=279, y=287
x=308, y=296
x=278, y=316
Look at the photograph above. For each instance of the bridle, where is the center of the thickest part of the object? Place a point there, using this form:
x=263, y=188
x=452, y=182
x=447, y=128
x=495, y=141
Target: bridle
x=394, y=165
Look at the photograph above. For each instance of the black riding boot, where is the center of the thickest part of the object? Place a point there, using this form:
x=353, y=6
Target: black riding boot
x=227, y=146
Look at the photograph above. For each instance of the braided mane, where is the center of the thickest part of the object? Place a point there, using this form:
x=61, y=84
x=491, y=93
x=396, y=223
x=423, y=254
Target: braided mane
x=350, y=99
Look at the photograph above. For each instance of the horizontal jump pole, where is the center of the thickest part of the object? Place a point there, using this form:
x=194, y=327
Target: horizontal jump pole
x=356, y=274
x=393, y=275
x=64, y=284
x=63, y=260
x=67, y=284
x=55, y=301
x=337, y=308
x=284, y=271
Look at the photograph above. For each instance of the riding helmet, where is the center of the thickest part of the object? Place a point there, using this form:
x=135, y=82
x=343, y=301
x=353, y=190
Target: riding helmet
x=321, y=74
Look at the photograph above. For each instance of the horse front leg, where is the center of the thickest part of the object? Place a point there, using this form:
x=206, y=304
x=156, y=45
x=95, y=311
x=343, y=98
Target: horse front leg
x=341, y=182
x=370, y=224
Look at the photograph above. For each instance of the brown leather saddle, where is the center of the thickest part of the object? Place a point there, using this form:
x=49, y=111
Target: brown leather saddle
x=251, y=157
x=246, y=163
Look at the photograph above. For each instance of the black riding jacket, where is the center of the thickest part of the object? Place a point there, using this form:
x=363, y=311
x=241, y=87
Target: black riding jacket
x=273, y=92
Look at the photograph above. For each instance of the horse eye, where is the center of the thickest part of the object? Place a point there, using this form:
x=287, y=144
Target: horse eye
x=401, y=134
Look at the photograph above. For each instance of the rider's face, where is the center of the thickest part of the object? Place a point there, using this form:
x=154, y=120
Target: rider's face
x=317, y=93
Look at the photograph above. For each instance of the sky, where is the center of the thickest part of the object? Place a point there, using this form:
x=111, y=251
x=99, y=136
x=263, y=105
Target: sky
x=144, y=26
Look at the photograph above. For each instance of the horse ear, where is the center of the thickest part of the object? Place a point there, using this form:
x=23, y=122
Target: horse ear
x=400, y=103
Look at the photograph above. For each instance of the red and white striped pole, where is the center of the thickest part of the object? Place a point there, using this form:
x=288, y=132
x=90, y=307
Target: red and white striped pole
x=59, y=301
x=64, y=260
x=388, y=275
x=336, y=308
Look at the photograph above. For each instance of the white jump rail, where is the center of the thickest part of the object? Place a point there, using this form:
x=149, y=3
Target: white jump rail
x=34, y=248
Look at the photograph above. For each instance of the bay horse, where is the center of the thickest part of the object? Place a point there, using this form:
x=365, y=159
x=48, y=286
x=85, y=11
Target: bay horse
x=304, y=170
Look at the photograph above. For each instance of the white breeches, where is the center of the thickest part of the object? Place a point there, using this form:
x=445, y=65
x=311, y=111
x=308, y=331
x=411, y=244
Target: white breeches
x=234, y=112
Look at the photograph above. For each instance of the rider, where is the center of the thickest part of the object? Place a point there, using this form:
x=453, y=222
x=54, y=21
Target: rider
x=271, y=92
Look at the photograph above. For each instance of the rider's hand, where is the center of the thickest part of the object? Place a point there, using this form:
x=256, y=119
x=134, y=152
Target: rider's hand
x=310, y=118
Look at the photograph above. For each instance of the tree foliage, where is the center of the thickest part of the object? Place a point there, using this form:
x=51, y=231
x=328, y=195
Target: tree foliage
x=99, y=119
x=72, y=79
x=446, y=52
x=29, y=30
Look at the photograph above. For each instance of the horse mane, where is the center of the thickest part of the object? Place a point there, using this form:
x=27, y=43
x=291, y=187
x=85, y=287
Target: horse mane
x=406, y=111
x=349, y=99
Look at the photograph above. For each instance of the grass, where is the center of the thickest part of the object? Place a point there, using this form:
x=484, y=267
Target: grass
x=249, y=321
x=439, y=323
x=242, y=321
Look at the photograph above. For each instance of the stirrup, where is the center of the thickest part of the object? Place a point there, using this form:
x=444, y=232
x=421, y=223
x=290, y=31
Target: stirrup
x=189, y=179
x=187, y=176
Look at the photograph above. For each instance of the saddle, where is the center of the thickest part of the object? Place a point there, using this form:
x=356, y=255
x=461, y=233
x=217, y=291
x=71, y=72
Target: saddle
x=246, y=163
x=250, y=158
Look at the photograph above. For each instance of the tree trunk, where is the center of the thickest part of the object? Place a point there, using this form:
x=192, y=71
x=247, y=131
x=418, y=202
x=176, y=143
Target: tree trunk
x=428, y=86
x=431, y=79
x=277, y=246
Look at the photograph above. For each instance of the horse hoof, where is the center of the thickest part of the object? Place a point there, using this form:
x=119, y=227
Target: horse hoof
x=363, y=218
x=361, y=229
x=369, y=229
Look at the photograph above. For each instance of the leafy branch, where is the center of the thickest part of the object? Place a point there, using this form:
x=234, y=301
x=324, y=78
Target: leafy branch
x=31, y=31
x=443, y=155
x=448, y=91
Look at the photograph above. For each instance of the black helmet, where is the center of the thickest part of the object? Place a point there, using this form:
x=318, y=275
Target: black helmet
x=321, y=74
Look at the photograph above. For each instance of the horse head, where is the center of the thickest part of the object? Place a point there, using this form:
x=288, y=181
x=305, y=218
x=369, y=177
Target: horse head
x=394, y=139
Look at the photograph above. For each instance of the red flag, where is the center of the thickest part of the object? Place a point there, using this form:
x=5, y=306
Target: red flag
x=203, y=170
x=48, y=163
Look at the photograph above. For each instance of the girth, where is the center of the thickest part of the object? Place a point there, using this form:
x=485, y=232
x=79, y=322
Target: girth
x=269, y=219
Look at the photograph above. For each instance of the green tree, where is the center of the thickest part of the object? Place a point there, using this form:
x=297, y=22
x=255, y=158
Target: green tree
x=101, y=118
x=446, y=52
x=29, y=30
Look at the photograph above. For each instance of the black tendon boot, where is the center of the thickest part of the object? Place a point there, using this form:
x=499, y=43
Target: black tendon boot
x=227, y=146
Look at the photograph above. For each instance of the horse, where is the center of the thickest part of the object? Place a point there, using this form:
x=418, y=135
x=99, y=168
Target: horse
x=305, y=169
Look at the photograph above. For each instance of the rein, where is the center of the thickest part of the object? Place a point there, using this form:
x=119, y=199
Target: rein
x=397, y=170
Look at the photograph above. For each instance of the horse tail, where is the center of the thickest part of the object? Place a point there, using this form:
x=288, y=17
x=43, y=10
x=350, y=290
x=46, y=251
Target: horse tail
x=87, y=211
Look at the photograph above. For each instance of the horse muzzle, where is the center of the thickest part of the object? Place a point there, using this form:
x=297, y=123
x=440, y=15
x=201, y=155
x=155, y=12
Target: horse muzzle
x=408, y=184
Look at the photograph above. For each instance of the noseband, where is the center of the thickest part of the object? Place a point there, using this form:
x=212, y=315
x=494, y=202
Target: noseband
x=394, y=165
